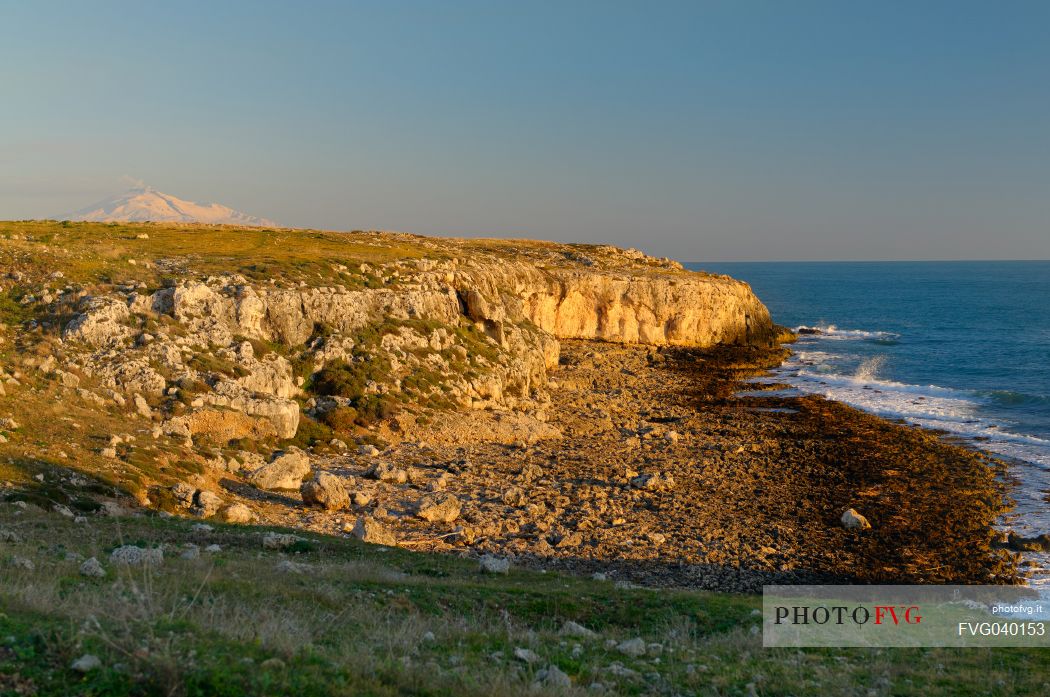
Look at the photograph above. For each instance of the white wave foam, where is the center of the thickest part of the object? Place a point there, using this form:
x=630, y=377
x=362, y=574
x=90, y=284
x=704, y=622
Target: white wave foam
x=931, y=406
x=830, y=331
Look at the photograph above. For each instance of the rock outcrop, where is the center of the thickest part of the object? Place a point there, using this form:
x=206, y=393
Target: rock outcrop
x=657, y=308
x=479, y=331
x=325, y=490
x=285, y=471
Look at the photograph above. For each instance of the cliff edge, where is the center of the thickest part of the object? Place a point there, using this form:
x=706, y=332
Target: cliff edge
x=211, y=337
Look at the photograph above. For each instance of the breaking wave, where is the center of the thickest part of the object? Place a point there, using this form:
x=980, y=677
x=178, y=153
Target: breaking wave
x=830, y=331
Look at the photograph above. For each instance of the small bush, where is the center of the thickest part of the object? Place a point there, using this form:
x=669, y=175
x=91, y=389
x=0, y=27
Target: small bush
x=339, y=379
x=11, y=312
x=210, y=363
x=374, y=408
x=311, y=433
x=341, y=418
x=301, y=547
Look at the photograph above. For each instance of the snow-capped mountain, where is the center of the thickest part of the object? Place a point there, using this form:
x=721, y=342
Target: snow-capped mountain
x=147, y=204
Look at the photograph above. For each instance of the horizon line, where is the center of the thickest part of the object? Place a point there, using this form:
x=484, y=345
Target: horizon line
x=861, y=261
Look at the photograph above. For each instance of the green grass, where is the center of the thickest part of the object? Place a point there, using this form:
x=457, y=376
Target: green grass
x=11, y=311
x=356, y=619
x=102, y=253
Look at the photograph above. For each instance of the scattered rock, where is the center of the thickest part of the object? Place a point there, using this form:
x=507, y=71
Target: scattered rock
x=288, y=566
x=531, y=472
x=574, y=629
x=190, y=551
x=372, y=531
x=130, y=555
x=277, y=540
x=86, y=663
x=213, y=549
x=325, y=490
x=653, y=482
x=183, y=494
x=491, y=564
x=208, y=504
x=92, y=568
x=632, y=647
x=851, y=520
x=439, y=508
x=527, y=655
x=1020, y=543
x=656, y=538
x=553, y=676
x=23, y=563
x=369, y=450
x=619, y=670
x=237, y=513
x=514, y=496
x=68, y=379
x=63, y=510
x=440, y=483
x=285, y=471
x=142, y=407
x=386, y=472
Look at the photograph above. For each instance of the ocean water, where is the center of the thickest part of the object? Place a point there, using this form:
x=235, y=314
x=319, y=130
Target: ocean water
x=958, y=346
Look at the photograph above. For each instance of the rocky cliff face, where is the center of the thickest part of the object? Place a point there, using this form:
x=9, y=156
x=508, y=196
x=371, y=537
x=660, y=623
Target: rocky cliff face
x=679, y=309
x=476, y=330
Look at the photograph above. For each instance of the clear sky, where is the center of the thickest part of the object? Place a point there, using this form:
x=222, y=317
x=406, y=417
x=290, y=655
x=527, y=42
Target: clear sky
x=730, y=130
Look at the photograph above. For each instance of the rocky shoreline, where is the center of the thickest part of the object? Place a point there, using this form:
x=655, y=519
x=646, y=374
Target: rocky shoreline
x=539, y=404
x=660, y=476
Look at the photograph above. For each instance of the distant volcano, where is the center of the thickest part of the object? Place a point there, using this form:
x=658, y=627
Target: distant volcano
x=147, y=204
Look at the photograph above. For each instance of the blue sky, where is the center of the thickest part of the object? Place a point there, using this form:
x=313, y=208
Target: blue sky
x=701, y=130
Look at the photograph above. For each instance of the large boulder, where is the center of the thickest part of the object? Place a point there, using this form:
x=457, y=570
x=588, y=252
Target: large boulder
x=372, y=531
x=207, y=504
x=491, y=564
x=387, y=472
x=327, y=491
x=851, y=520
x=439, y=508
x=131, y=555
x=237, y=513
x=286, y=470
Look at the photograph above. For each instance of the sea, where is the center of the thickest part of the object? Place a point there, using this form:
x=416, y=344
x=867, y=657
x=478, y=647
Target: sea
x=961, y=346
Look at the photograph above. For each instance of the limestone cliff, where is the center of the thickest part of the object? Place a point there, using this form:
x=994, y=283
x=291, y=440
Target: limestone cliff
x=672, y=308
x=680, y=308
x=399, y=321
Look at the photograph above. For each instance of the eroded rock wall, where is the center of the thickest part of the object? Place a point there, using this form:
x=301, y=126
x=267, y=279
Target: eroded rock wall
x=521, y=308
x=681, y=309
